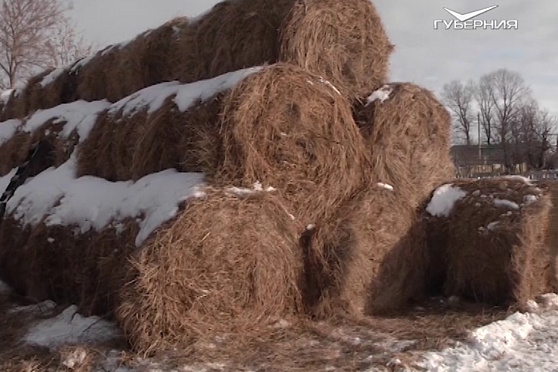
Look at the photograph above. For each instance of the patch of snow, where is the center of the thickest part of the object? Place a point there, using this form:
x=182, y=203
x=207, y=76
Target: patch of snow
x=528, y=199
x=44, y=308
x=492, y=225
x=243, y=191
x=502, y=203
x=444, y=199
x=186, y=95
x=75, y=358
x=59, y=198
x=70, y=328
x=522, y=342
x=385, y=186
x=310, y=227
x=519, y=178
x=79, y=116
x=5, y=180
x=8, y=129
x=6, y=95
x=329, y=84
x=52, y=76
x=81, y=63
x=381, y=94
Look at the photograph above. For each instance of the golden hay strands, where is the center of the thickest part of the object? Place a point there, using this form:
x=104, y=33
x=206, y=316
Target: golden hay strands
x=120, y=147
x=343, y=41
x=369, y=259
x=285, y=128
x=408, y=137
x=225, y=265
x=493, y=243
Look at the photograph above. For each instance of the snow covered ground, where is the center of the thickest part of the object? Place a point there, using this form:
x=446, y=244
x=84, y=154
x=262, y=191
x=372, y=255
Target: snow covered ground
x=522, y=342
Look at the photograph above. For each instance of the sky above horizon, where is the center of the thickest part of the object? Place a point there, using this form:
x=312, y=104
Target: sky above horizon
x=423, y=55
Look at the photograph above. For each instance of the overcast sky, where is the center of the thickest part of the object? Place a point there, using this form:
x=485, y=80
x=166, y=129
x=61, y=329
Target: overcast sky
x=423, y=55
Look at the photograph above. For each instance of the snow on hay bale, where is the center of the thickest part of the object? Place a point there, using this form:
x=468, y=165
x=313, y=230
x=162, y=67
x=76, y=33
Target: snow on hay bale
x=343, y=41
x=408, y=135
x=487, y=240
x=230, y=263
x=67, y=238
x=369, y=258
x=168, y=125
x=112, y=73
x=279, y=125
x=59, y=129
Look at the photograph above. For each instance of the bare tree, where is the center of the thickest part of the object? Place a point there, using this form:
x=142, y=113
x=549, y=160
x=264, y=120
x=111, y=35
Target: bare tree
x=507, y=91
x=458, y=98
x=35, y=34
x=486, y=108
x=65, y=45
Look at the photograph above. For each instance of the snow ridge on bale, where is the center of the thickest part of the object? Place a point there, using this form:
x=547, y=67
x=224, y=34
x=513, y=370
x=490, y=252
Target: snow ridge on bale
x=492, y=247
x=57, y=197
x=112, y=73
x=169, y=125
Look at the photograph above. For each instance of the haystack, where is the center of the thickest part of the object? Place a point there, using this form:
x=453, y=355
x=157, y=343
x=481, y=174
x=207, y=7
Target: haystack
x=343, y=41
x=408, y=136
x=291, y=130
x=488, y=240
x=124, y=146
x=112, y=73
x=369, y=259
x=228, y=264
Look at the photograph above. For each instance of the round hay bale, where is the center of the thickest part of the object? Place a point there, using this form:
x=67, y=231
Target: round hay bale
x=407, y=132
x=490, y=236
x=343, y=41
x=369, y=259
x=226, y=265
x=289, y=129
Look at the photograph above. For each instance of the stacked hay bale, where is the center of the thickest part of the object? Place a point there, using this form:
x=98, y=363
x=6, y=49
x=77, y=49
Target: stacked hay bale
x=342, y=41
x=488, y=240
x=371, y=257
x=308, y=211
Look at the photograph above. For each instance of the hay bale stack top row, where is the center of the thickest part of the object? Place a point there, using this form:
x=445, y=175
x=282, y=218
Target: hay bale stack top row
x=342, y=41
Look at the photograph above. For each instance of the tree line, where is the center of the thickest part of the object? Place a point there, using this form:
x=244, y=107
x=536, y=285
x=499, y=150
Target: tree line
x=36, y=35
x=500, y=107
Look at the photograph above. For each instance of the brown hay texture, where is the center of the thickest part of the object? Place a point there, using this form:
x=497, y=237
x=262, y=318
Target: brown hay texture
x=370, y=259
x=343, y=41
x=112, y=73
x=227, y=264
x=288, y=129
x=123, y=147
x=488, y=240
x=408, y=136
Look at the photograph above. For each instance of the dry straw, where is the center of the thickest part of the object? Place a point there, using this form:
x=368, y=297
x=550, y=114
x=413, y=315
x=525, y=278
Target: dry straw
x=343, y=41
x=227, y=264
x=121, y=147
x=371, y=258
x=408, y=137
x=291, y=130
x=493, y=245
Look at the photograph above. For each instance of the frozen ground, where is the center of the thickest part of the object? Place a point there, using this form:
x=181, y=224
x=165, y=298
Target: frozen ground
x=521, y=342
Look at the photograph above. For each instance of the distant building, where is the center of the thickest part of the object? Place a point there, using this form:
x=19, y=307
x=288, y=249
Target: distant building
x=472, y=160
